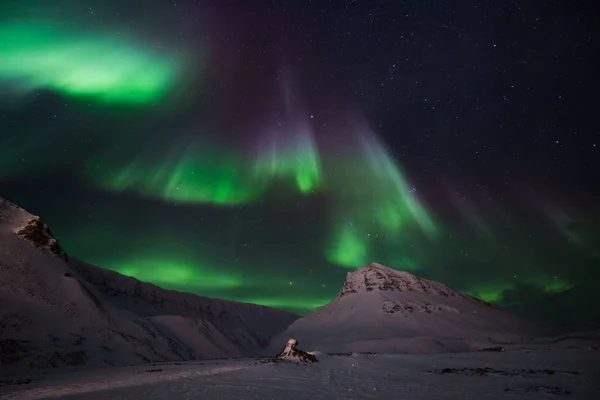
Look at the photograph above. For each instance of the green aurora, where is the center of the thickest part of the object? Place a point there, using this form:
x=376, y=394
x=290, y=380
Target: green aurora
x=194, y=210
x=298, y=162
x=106, y=67
x=379, y=217
x=377, y=205
x=195, y=174
x=546, y=284
x=376, y=216
x=207, y=174
x=179, y=263
x=171, y=274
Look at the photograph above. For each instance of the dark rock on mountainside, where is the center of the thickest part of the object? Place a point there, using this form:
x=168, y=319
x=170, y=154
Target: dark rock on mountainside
x=376, y=277
x=39, y=234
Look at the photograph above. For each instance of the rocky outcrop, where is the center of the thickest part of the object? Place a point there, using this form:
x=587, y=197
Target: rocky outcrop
x=39, y=234
x=15, y=220
x=413, y=307
x=292, y=353
x=375, y=276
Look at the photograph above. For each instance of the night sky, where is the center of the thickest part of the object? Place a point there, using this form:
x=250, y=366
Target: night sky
x=259, y=150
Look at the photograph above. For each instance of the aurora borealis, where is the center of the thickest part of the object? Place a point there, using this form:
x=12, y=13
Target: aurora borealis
x=259, y=152
x=45, y=55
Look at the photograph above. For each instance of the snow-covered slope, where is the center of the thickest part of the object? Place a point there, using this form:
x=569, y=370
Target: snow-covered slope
x=384, y=310
x=249, y=326
x=55, y=313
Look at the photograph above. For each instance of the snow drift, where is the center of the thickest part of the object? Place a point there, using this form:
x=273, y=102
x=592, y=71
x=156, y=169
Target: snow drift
x=59, y=312
x=383, y=310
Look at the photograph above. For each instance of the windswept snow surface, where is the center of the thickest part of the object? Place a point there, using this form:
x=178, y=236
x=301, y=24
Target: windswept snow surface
x=520, y=374
x=55, y=313
x=388, y=311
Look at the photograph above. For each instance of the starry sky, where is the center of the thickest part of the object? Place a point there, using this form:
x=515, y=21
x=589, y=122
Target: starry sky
x=259, y=150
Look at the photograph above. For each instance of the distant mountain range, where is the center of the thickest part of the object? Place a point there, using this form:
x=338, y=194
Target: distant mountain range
x=56, y=311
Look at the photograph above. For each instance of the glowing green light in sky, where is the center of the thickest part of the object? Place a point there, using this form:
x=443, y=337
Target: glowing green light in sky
x=556, y=285
x=107, y=67
x=299, y=303
x=202, y=172
x=494, y=293
x=202, y=175
x=394, y=201
x=178, y=263
x=371, y=191
x=348, y=249
x=367, y=205
x=173, y=274
x=290, y=153
x=490, y=294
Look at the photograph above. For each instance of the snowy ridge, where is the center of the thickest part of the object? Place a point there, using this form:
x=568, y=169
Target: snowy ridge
x=388, y=311
x=148, y=300
x=59, y=314
x=12, y=217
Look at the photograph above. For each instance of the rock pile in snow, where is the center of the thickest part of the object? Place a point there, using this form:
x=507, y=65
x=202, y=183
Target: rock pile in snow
x=292, y=353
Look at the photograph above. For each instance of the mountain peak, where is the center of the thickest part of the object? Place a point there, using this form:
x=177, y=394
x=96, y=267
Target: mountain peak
x=29, y=227
x=377, y=277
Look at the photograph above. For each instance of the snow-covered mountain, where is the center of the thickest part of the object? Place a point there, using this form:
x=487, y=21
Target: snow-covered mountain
x=380, y=309
x=59, y=312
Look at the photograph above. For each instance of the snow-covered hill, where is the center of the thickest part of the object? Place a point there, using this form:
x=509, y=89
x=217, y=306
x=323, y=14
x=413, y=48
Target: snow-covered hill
x=380, y=309
x=60, y=312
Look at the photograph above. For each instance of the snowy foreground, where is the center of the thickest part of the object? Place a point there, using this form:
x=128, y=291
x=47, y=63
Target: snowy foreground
x=514, y=374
